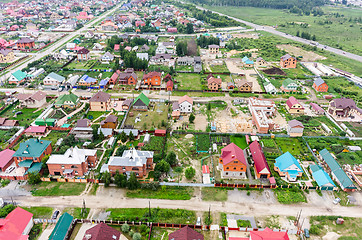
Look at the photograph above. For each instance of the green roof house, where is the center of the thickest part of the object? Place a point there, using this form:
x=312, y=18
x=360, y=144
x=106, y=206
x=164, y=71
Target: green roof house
x=30, y=154
x=61, y=229
x=18, y=77
x=67, y=101
x=337, y=172
x=141, y=102
x=289, y=85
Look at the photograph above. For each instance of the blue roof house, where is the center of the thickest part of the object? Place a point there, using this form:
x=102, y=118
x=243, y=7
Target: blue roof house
x=287, y=166
x=321, y=177
x=247, y=62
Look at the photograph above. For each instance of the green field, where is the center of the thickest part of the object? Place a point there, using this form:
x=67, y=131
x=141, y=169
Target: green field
x=189, y=81
x=172, y=193
x=57, y=189
x=214, y=194
x=349, y=230
x=345, y=34
x=40, y=212
x=54, y=136
x=340, y=86
x=151, y=119
x=290, y=196
x=28, y=115
x=239, y=141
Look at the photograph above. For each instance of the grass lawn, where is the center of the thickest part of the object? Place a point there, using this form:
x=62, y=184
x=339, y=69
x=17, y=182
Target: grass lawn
x=77, y=212
x=219, y=68
x=297, y=73
x=214, y=194
x=341, y=86
x=189, y=81
x=290, y=196
x=80, y=64
x=54, y=136
x=94, y=114
x=162, y=215
x=243, y=223
x=5, y=135
x=198, y=94
x=350, y=229
x=345, y=34
x=57, y=189
x=40, y=212
x=295, y=146
x=28, y=115
x=164, y=192
x=240, y=141
x=150, y=119
x=189, y=68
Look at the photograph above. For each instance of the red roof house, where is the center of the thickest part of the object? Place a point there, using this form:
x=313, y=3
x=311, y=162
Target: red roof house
x=116, y=47
x=169, y=85
x=293, y=106
x=260, y=165
x=205, y=169
x=36, y=131
x=232, y=162
x=16, y=225
x=160, y=132
x=6, y=159
x=268, y=234
x=185, y=233
x=101, y=232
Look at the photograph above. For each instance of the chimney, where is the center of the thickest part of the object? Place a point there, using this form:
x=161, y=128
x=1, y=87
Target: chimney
x=88, y=236
x=232, y=156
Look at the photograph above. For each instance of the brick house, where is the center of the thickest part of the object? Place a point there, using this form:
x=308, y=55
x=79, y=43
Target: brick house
x=110, y=122
x=36, y=131
x=100, y=102
x=83, y=54
x=6, y=159
x=128, y=77
x=343, y=107
x=214, y=83
x=169, y=85
x=232, y=162
x=320, y=85
x=152, y=79
x=139, y=162
x=293, y=106
x=288, y=61
x=260, y=164
x=74, y=162
x=214, y=49
x=25, y=43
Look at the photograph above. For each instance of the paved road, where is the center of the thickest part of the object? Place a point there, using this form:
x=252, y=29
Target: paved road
x=195, y=204
x=295, y=38
x=54, y=46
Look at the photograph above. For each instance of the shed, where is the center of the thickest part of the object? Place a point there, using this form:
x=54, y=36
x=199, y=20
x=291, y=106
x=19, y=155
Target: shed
x=62, y=227
x=147, y=138
x=160, y=132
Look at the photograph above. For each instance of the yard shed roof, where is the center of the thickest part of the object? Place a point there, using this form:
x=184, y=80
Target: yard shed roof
x=5, y=157
x=143, y=98
x=62, y=227
x=258, y=157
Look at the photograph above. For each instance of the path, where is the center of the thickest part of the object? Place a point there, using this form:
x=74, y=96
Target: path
x=64, y=119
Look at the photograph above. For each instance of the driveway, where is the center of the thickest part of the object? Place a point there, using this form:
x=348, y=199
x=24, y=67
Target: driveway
x=13, y=189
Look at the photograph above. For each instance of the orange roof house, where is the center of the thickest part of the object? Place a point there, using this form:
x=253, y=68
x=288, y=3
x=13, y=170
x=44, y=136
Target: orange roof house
x=152, y=79
x=288, y=61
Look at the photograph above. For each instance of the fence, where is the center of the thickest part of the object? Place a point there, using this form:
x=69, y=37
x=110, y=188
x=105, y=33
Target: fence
x=72, y=180
x=13, y=63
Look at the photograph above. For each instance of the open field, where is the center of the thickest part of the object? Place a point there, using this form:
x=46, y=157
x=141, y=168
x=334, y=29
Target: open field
x=346, y=35
x=164, y=192
x=214, y=194
x=28, y=115
x=54, y=136
x=350, y=229
x=189, y=81
x=239, y=141
x=40, y=212
x=151, y=119
x=57, y=189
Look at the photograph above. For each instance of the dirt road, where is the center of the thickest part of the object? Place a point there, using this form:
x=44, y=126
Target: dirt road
x=195, y=204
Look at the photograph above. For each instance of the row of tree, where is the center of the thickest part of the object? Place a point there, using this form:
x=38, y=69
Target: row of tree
x=204, y=41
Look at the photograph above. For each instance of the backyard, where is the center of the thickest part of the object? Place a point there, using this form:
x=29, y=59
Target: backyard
x=27, y=115
x=240, y=141
x=295, y=146
x=154, y=118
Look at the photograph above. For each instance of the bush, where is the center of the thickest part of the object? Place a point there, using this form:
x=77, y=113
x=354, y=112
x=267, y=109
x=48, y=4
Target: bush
x=125, y=228
x=248, y=193
x=6, y=210
x=137, y=236
x=190, y=172
x=315, y=230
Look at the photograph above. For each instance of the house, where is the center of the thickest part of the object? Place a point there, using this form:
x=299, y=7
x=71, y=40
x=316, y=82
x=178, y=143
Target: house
x=142, y=56
x=53, y=79
x=141, y=103
x=126, y=104
x=100, y=101
x=70, y=101
x=102, y=231
x=270, y=88
x=128, y=77
x=261, y=167
x=336, y=171
x=6, y=55
x=295, y=128
x=320, y=85
x=244, y=86
x=160, y=133
x=74, y=162
x=16, y=225
x=62, y=228
x=98, y=47
x=82, y=130
x=116, y=47
x=247, y=62
x=87, y=81
x=184, y=61
x=83, y=54
x=320, y=176
x=287, y=166
x=152, y=79
x=230, y=85
x=140, y=23
x=110, y=122
x=36, y=131
x=316, y=109
x=288, y=61
x=214, y=49
x=172, y=30
x=289, y=85
x=206, y=174
x=6, y=159
x=139, y=162
x=89, y=34
x=144, y=48
x=185, y=104
x=293, y=106
x=5, y=122
x=109, y=26
x=261, y=111
x=260, y=62
x=35, y=100
x=25, y=43
x=18, y=77
x=268, y=234
x=107, y=58
x=232, y=162
x=197, y=64
x=343, y=108
x=185, y=233
x=169, y=86
x=214, y=83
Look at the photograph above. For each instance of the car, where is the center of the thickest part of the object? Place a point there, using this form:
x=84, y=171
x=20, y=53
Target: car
x=306, y=233
x=336, y=201
x=18, y=113
x=55, y=214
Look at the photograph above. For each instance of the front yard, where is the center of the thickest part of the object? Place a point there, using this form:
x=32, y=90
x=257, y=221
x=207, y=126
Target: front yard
x=57, y=189
x=164, y=192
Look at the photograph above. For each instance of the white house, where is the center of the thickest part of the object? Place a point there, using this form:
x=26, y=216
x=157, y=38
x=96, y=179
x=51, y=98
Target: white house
x=185, y=104
x=98, y=47
x=161, y=49
x=143, y=56
x=53, y=79
x=107, y=58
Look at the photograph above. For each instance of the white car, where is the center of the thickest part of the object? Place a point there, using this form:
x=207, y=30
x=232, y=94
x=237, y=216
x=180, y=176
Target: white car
x=336, y=201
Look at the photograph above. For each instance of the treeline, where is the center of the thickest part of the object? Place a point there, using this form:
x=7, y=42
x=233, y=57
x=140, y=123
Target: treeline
x=204, y=42
x=306, y=35
x=302, y=5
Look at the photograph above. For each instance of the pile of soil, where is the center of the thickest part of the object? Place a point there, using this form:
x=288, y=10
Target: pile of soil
x=274, y=71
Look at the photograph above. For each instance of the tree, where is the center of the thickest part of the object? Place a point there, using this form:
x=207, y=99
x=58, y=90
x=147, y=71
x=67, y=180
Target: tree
x=95, y=131
x=125, y=228
x=171, y=158
x=181, y=48
x=163, y=166
x=121, y=149
x=107, y=178
x=209, y=106
x=123, y=136
x=192, y=118
x=190, y=172
x=33, y=178
x=189, y=28
x=6, y=210
x=137, y=236
x=133, y=182
x=120, y=180
x=131, y=136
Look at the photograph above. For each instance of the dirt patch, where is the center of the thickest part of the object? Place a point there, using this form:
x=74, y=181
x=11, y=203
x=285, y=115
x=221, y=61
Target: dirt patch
x=296, y=51
x=245, y=35
x=331, y=236
x=274, y=71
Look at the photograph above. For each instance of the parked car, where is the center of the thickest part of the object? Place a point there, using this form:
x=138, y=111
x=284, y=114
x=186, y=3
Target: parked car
x=306, y=233
x=55, y=214
x=336, y=201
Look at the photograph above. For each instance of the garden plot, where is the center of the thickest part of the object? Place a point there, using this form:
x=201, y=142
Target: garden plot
x=226, y=121
x=155, y=117
x=308, y=56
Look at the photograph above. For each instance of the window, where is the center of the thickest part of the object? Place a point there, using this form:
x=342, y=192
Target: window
x=226, y=173
x=241, y=174
x=62, y=166
x=235, y=161
x=234, y=168
x=123, y=168
x=241, y=169
x=227, y=167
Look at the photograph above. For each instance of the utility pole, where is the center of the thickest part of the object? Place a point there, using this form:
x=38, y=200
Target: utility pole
x=209, y=213
x=149, y=208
